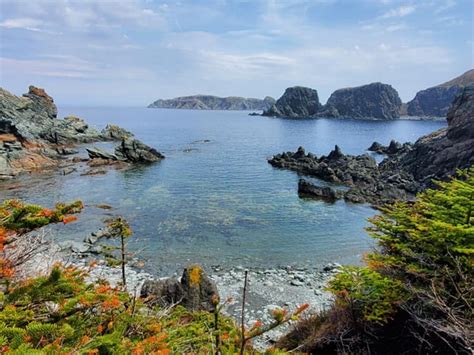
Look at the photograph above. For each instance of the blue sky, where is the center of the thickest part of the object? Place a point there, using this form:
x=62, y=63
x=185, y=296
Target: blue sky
x=131, y=52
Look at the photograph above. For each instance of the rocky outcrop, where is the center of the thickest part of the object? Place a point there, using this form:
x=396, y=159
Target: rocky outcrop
x=134, y=151
x=436, y=101
x=130, y=150
x=439, y=154
x=296, y=102
x=376, y=100
x=195, y=291
x=115, y=133
x=372, y=101
x=32, y=138
x=366, y=181
x=209, y=102
x=393, y=148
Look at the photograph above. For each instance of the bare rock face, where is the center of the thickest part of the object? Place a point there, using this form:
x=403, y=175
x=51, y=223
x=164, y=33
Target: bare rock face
x=195, y=291
x=432, y=102
x=113, y=132
x=436, y=101
x=376, y=100
x=296, y=102
x=439, y=154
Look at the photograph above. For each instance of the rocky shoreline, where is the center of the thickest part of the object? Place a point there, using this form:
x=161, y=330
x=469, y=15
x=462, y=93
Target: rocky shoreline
x=269, y=288
x=33, y=139
x=406, y=170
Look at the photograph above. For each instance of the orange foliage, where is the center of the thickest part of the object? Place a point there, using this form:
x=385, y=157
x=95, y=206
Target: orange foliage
x=69, y=219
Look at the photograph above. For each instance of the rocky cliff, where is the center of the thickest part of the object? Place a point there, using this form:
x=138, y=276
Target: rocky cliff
x=438, y=155
x=436, y=101
x=296, y=102
x=208, y=102
x=32, y=138
x=376, y=100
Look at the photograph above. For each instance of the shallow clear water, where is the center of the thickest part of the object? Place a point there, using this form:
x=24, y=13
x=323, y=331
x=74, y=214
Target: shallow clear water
x=220, y=202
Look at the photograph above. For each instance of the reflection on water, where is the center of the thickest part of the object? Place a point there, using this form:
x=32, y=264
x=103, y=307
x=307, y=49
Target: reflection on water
x=214, y=199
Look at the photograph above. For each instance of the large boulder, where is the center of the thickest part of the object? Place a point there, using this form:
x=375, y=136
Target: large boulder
x=134, y=151
x=376, y=101
x=195, y=291
x=326, y=193
x=296, y=102
x=114, y=132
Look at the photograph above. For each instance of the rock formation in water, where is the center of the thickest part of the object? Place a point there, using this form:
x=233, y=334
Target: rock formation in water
x=408, y=169
x=296, y=102
x=376, y=100
x=208, y=102
x=436, y=101
x=33, y=138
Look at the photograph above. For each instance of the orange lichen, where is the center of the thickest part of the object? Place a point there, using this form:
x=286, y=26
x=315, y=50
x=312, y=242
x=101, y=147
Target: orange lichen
x=195, y=275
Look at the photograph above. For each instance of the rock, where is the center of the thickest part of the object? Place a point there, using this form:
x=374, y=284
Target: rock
x=134, y=151
x=327, y=194
x=68, y=170
x=66, y=151
x=376, y=100
x=194, y=291
x=296, y=102
x=208, y=102
x=113, y=132
x=377, y=148
x=97, y=153
x=436, y=101
x=94, y=237
x=439, y=154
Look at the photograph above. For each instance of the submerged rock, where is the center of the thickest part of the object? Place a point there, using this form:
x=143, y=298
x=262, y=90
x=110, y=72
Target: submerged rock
x=328, y=194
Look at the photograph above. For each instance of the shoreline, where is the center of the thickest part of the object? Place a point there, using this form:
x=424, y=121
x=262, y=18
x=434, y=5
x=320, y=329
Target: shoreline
x=268, y=288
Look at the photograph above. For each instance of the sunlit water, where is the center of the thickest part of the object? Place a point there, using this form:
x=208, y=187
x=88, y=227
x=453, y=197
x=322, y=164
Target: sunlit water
x=220, y=202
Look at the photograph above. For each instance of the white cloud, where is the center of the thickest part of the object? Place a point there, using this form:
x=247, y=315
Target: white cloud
x=401, y=11
x=25, y=23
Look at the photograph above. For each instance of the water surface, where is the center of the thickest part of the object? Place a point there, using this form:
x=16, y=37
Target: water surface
x=215, y=199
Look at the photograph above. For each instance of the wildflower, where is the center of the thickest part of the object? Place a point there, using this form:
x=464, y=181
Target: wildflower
x=100, y=329
x=114, y=302
x=302, y=308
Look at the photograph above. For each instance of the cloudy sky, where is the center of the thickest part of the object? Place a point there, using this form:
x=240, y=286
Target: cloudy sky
x=131, y=52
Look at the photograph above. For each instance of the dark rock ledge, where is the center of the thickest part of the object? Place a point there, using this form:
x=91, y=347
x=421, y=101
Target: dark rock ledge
x=367, y=181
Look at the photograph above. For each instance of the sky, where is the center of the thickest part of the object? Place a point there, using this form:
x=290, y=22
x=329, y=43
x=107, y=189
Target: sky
x=131, y=52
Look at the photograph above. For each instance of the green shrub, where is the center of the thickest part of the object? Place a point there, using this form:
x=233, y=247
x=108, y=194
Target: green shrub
x=369, y=295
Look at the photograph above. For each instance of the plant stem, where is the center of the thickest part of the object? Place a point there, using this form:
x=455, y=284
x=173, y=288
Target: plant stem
x=244, y=296
x=124, y=280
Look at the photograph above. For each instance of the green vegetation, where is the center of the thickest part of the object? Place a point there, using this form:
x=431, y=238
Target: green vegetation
x=416, y=292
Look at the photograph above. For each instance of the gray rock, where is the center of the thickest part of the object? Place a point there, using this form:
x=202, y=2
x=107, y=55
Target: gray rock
x=134, y=151
x=194, y=291
x=327, y=194
x=113, y=132
x=376, y=100
x=98, y=153
x=296, y=102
